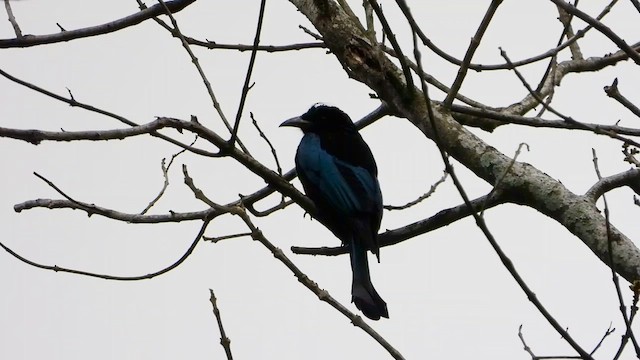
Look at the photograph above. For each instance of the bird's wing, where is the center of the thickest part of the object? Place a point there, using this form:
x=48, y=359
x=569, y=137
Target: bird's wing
x=349, y=190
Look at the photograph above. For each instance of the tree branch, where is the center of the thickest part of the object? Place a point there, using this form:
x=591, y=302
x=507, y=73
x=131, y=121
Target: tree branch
x=68, y=35
x=605, y=30
x=613, y=92
x=165, y=270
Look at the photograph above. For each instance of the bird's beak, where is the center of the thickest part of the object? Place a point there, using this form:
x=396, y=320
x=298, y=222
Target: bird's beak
x=296, y=122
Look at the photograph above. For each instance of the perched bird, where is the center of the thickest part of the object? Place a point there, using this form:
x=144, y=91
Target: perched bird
x=339, y=174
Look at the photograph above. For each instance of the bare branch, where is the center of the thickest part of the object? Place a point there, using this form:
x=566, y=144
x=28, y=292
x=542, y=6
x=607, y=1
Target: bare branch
x=35, y=137
x=536, y=357
x=266, y=139
x=165, y=270
x=224, y=340
x=12, y=19
x=608, y=332
x=247, y=80
x=92, y=209
x=524, y=343
x=199, y=194
x=421, y=197
x=475, y=42
x=605, y=30
x=613, y=92
x=165, y=175
x=33, y=40
x=215, y=239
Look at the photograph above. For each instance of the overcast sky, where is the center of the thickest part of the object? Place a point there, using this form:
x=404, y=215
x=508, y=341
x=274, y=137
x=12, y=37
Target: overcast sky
x=448, y=295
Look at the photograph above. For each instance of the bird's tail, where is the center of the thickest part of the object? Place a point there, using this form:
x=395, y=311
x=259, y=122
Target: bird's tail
x=363, y=293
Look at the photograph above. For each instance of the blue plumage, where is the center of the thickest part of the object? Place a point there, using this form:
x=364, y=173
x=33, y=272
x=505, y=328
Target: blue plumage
x=354, y=192
x=339, y=174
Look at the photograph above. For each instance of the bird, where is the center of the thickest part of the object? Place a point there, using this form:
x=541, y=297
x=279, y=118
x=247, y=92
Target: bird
x=339, y=175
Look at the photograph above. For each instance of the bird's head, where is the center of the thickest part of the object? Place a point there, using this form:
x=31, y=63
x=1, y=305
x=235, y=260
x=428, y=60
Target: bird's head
x=321, y=118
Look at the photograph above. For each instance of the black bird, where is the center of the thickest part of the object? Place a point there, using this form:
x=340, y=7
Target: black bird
x=339, y=174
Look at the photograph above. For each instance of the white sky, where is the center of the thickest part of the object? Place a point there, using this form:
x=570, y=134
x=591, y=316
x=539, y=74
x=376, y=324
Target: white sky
x=448, y=295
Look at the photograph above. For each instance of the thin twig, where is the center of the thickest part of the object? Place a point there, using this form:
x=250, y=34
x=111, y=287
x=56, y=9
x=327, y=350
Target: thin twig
x=421, y=197
x=247, y=80
x=609, y=331
x=165, y=270
x=524, y=343
x=536, y=357
x=215, y=239
x=224, y=340
x=310, y=33
x=199, y=194
x=165, y=175
x=266, y=139
x=262, y=213
x=12, y=19
x=475, y=42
